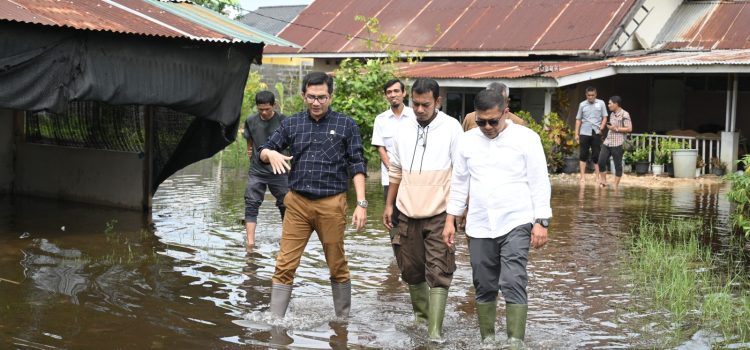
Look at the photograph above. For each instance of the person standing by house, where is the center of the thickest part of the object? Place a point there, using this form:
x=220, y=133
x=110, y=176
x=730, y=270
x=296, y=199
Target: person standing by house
x=326, y=148
x=469, y=121
x=258, y=127
x=500, y=172
x=592, y=114
x=619, y=125
x=385, y=128
x=420, y=172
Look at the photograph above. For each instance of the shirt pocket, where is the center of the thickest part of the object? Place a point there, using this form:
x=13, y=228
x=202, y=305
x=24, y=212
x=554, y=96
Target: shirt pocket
x=388, y=139
x=333, y=146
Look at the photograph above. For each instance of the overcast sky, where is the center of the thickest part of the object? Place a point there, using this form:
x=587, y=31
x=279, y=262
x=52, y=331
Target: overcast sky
x=254, y=4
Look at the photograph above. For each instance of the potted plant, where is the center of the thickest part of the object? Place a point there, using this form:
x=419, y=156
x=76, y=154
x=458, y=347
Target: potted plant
x=558, y=141
x=699, y=164
x=562, y=141
x=640, y=158
x=718, y=167
x=661, y=157
x=627, y=160
x=570, y=164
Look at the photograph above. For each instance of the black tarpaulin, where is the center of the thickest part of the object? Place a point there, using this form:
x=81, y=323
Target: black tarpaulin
x=44, y=68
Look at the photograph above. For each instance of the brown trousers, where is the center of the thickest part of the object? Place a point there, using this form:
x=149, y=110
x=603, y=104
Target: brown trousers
x=327, y=217
x=421, y=253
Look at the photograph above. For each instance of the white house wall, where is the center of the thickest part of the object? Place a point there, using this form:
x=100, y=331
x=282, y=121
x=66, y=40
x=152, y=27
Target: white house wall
x=661, y=12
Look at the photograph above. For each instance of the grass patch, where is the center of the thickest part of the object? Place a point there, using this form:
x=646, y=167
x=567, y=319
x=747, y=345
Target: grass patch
x=672, y=267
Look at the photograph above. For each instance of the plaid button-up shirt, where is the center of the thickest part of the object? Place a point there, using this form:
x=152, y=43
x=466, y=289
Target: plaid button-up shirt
x=325, y=152
x=622, y=121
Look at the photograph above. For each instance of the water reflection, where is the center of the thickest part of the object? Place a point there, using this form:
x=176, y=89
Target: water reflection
x=188, y=281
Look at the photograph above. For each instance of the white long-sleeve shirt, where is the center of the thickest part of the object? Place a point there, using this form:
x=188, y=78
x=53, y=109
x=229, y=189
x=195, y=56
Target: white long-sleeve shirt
x=505, y=180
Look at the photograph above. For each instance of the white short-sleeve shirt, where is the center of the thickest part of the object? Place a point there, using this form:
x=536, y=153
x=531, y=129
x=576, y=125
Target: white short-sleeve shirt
x=384, y=131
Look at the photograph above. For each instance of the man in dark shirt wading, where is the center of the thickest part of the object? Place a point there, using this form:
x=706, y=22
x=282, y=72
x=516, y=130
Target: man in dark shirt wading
x=326, y=148
x=258, y=128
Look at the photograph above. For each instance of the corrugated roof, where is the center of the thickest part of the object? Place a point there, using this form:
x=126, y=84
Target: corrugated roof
x=720, y=58
x=272, y=19
x=497, y=70
x=444, y=26
x=569, y=72
x=141, y=17
x=707, y=25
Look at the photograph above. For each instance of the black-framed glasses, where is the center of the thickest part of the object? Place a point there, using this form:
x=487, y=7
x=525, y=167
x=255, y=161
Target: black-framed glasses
x=321, y=98
x=484, y=122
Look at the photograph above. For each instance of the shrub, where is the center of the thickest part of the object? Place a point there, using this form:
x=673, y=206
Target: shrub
x=558, y=140
x=739, y=194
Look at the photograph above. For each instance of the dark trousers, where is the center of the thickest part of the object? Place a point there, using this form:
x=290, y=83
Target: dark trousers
x=616, y=153
x=420, y=252
x=594, y=143
x=256, y=191
x=500, y=264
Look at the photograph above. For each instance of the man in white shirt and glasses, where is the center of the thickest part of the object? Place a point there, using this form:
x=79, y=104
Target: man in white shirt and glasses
x=501, y=168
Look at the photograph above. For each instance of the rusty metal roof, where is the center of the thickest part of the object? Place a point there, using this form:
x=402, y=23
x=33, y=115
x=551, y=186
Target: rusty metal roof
x=458, y=27
x=172, y=19
x=561, y=73
x=707, y=25
x=683, y=59
x=496, y=70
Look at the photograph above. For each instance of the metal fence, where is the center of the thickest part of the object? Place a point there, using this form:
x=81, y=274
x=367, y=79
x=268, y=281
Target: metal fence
x=708, y=146
x=96, y=125
x=89, y=125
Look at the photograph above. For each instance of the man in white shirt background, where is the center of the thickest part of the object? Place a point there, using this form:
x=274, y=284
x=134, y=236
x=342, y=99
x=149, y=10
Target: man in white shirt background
x=386, y=127
x=501, y=168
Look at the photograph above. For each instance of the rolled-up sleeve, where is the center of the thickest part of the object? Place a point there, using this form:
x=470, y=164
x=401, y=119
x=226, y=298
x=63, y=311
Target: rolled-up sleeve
x=355, y=151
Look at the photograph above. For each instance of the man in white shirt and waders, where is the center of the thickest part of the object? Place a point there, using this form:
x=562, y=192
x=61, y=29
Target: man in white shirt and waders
x=501, y=168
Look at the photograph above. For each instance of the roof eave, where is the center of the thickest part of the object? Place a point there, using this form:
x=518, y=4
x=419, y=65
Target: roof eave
x=682, y=69
x=463, y=54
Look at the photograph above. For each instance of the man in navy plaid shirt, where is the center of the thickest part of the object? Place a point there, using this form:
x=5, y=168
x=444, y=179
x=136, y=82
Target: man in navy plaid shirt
x=326, y=149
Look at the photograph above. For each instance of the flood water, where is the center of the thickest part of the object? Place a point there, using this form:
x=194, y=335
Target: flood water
x=83, y=277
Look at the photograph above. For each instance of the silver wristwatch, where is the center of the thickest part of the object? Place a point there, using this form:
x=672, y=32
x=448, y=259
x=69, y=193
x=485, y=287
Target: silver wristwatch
x=362, y=203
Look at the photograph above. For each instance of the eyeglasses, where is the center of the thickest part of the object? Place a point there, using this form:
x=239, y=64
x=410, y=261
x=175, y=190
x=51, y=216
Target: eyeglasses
x=320, y=99
x=492, y=122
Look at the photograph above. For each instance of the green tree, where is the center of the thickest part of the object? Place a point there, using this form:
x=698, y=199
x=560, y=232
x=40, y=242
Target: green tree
x=253, y=85
x=359, y=94
x=359, y=83
x=218, y=5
